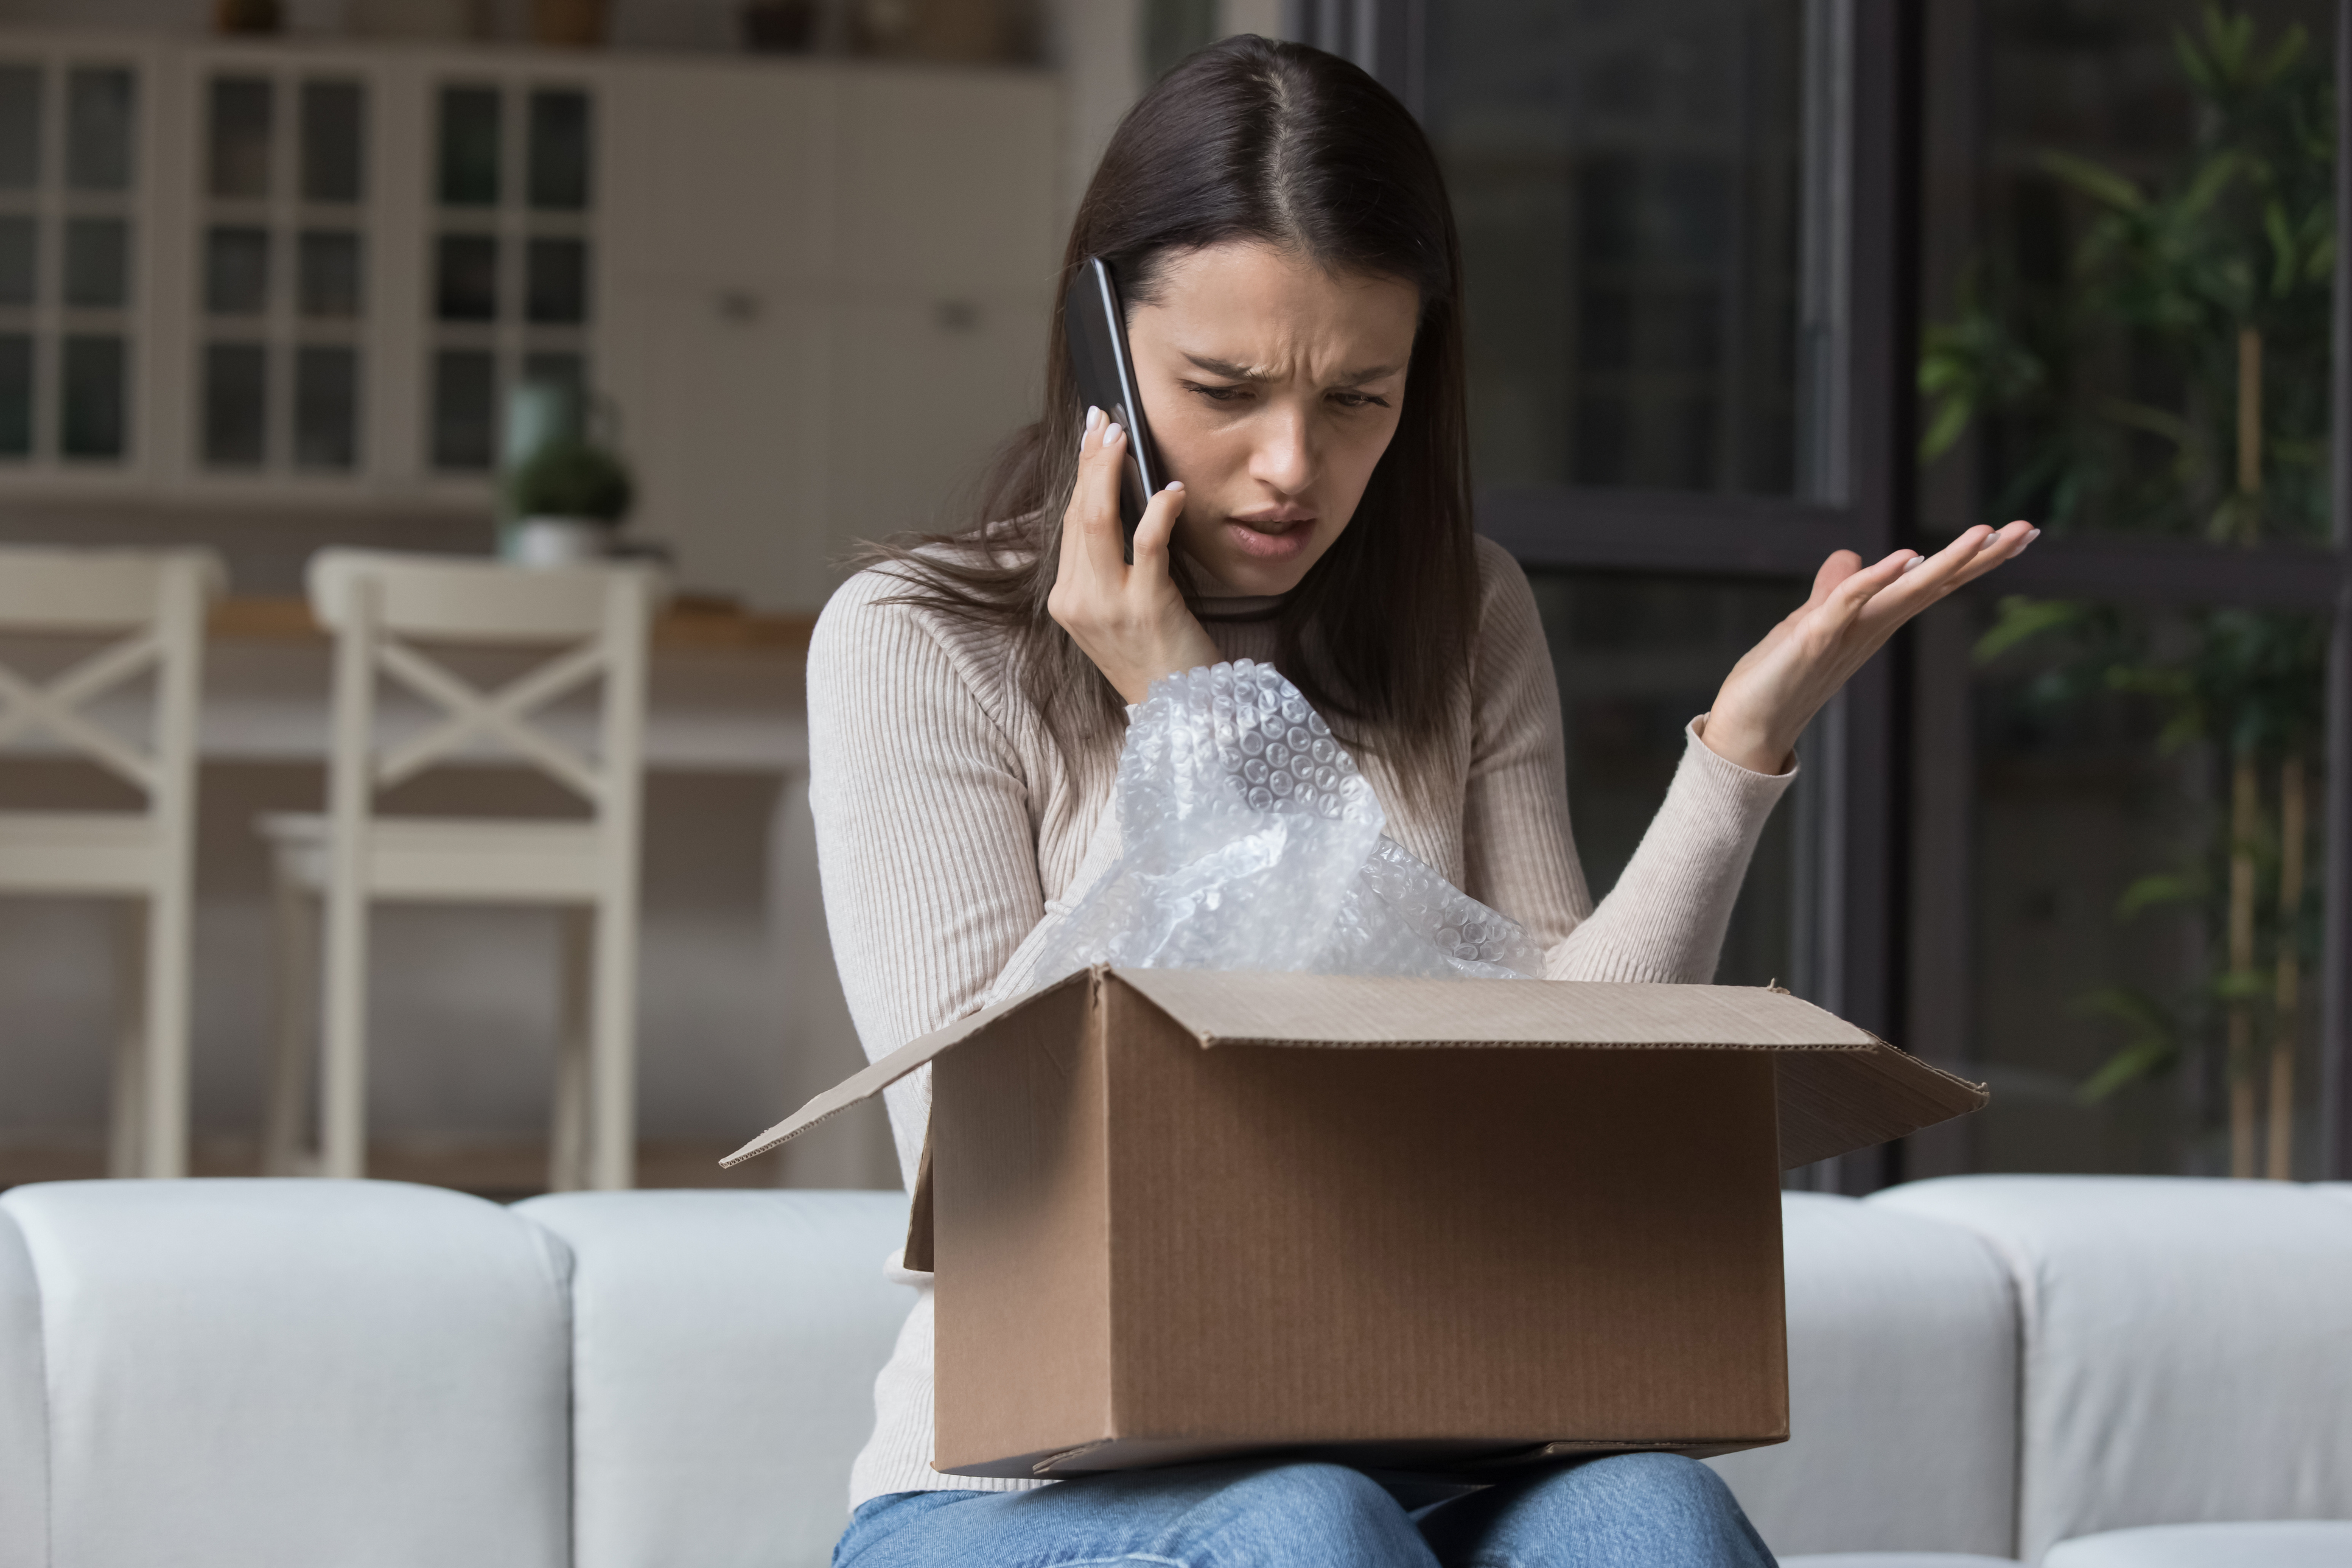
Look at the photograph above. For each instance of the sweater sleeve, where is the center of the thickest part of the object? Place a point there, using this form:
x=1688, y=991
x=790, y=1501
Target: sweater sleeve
x=1664, y=920
x=926, y=846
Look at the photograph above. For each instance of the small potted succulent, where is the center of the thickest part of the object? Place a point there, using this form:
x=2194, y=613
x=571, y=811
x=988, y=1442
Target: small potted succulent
x=568, y=498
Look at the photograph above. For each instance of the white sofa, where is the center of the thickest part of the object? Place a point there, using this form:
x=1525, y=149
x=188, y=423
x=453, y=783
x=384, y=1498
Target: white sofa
x=2081, y=1372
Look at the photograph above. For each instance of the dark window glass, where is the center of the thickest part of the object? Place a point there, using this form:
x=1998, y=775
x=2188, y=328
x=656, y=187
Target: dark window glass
x=465, y=277
x=100, y=110
x=19, y=260
x=243, y=108
x=2128, y=312
x=558, y=294
x=2118, y=826
x=236, y=404
x=237, y=270
x=470, y=147
x=1628, y=182
x=325, y=407
x=330, y=279
x=1637, y=656
x=559, y=150
x=334, y=140
x=94, y=407
x=2147, y=889
x=20, y=127
x=16, y=395
x=465, y=409
x=98, y=262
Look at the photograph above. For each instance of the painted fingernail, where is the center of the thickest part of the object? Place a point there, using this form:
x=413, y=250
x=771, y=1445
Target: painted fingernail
x=1110, y=433
x=1914, y=561
x=2034, y=535
x=1094, y=416
x=1174, y=484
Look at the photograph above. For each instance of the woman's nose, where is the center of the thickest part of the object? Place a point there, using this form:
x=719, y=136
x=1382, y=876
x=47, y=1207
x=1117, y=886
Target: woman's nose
x=1282, y=458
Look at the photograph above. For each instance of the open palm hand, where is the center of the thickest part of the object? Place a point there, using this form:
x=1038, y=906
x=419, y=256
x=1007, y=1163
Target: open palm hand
x=1775, y=690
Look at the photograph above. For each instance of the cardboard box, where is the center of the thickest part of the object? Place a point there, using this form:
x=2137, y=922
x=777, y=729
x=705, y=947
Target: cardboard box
x=1417, y=1225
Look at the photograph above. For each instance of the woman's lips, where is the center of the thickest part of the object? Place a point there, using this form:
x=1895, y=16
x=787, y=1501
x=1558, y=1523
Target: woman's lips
x=1270, y=539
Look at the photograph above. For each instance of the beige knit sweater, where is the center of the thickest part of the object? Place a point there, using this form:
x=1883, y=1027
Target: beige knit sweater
x=951, y=835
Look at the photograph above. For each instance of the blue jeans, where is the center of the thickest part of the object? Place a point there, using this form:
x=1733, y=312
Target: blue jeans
x=1628, y=1510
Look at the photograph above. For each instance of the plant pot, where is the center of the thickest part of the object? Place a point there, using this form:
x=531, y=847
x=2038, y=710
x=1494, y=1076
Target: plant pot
x=558, y=541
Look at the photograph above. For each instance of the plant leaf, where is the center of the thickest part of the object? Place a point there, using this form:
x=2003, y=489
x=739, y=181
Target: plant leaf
x=2160, y=887
x=1944, y=432
x=2096, y=180
x=2022, y=620
x=2140, y=1060
x=2241, y=986
x=2154, y=1043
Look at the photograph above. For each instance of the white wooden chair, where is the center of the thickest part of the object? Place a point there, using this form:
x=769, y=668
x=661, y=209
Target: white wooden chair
x=154, y=604
x=380, y=607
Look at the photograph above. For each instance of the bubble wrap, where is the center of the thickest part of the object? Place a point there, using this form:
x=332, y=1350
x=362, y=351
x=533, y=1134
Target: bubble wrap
x=1248, y=840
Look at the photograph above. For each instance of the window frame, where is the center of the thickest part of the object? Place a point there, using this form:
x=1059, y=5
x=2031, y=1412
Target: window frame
x=1880, y=854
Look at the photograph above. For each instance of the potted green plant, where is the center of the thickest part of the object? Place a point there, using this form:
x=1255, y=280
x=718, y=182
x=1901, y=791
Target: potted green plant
x=569, y=497
x=2218, y=273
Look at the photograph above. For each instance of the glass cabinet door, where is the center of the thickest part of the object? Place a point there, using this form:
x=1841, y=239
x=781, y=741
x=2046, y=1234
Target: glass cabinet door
x=283, y=248
x=512, y=285
x=68, y=178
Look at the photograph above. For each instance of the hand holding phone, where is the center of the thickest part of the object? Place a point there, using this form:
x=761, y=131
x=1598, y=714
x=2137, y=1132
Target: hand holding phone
x=1113, y=592
x=1096, y=327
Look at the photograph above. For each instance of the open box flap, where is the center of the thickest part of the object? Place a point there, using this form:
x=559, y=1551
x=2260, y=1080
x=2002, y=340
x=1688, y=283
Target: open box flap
x=875, y=1076
x=1237, y=1008
x=1841, y=1087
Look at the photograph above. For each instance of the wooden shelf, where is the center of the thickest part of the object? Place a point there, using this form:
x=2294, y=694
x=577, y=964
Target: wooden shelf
x=688, y=623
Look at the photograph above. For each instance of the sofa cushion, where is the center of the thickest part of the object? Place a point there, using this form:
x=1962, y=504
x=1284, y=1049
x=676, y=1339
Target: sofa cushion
x=725, y=1348
x=24, y=1410
x=2186, y=1346
x=2295, y=1544
x=251, y=1373
x=1902, y=1389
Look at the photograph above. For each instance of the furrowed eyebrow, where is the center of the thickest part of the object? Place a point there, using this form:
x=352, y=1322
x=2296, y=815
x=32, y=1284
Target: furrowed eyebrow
x=1220, y=367
x=1242, y=373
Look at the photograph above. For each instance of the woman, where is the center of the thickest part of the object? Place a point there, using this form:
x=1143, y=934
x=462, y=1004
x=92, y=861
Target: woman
x=1292, y=283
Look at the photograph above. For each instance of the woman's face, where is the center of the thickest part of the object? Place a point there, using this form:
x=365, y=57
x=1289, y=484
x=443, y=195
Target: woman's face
x=1272, y=388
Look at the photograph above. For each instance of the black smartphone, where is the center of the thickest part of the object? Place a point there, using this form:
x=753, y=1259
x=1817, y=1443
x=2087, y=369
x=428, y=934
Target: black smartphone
x=1097, y=330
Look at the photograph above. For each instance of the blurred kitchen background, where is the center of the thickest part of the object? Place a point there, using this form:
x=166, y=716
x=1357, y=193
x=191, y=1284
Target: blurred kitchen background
x=1750, y=279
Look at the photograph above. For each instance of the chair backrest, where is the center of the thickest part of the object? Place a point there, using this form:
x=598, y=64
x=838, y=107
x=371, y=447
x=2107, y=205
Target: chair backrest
x=457, y=599
x=381, y=605
x=158, y=600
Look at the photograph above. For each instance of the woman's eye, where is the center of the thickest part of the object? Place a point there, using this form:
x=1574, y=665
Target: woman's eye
x=1359, y=400
x=1218, y=394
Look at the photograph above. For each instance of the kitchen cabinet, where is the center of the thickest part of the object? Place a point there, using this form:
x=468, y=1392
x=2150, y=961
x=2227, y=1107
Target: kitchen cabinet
x=808, y=298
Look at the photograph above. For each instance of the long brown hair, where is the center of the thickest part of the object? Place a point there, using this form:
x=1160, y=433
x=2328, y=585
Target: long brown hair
x=1276, y=142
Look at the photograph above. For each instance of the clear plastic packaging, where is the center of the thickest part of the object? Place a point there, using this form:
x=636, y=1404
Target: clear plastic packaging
x=1249, y=841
